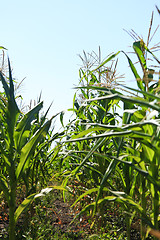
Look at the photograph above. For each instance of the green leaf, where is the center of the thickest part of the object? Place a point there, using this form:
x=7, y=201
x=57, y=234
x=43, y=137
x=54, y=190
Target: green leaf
x=84, y=194
x=5, y=85
x=107, y=60
x=97, y=145
x=29, y=148
x=146, y=48
x=121, y=198
x=4, y=186
x=134, y=134
x=132, y=126
x=130, y=202
x=49, y=189
x=148, y=94
x=139, y=170
x=23, y=206
x=107, y=174
x=61, y=118
x=1, y=47
x=33, y=196
x=134, y=71
x=85, y=132
x=135, y=100
x=11, y=86
x=12, y=110
x=137, y=46
x=24, y=125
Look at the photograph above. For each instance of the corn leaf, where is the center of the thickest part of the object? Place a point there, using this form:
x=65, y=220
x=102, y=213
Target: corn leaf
x=85, y=194
x=138, y=78
x=134, y=100
x=107, y=60
x=29, y=148
x=24, y=125
x=4, y=187
x=33, y=196
x=137, y=46
x=23, y=206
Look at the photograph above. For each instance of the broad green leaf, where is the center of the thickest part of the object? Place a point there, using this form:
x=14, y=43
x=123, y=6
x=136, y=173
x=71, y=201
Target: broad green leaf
x=12, y=105
x=5, y=85
x=33, y=196
x=138, y=78
x=84, y=94
x=4, y=156
x=23, y=206
x=134, y=134
x=137, y=46
x=132, y=67
x=132, y=126
x=44, y=117
x=130, y=202
x=1, y=47
x=120, y=199
x=85, y=132
x=139, y=115
x=29, y=148
x=11, y=86
x=12, y=110
x=107, y=174
x=145, y=93
x=25, y=125
x=134, y=100
x=139, y=170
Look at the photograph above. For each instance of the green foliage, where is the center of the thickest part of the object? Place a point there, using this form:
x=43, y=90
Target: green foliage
x=110, y=153
x=110, y=145
x=23, y=141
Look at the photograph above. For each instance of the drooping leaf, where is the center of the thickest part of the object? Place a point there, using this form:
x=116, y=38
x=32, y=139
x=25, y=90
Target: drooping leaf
x=85, y=194
x=33, y=196
x=134, y=134
x=135, y=100
x=145, y=93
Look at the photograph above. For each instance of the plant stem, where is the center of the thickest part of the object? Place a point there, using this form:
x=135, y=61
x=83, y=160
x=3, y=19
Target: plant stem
x=128, y=226
x=12, y=207
x=143, y=204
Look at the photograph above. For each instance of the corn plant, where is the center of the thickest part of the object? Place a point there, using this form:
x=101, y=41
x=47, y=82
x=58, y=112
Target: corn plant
x=94, y=112
x=21, y=143
x=136, y=143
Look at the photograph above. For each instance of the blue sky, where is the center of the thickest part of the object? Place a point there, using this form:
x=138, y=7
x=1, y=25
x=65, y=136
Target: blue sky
x=44, y=39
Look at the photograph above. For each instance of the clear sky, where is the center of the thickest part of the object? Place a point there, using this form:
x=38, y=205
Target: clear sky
x=44, y=39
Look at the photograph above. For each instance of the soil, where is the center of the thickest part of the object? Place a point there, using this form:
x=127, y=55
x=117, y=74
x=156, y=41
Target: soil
x=61, y=215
